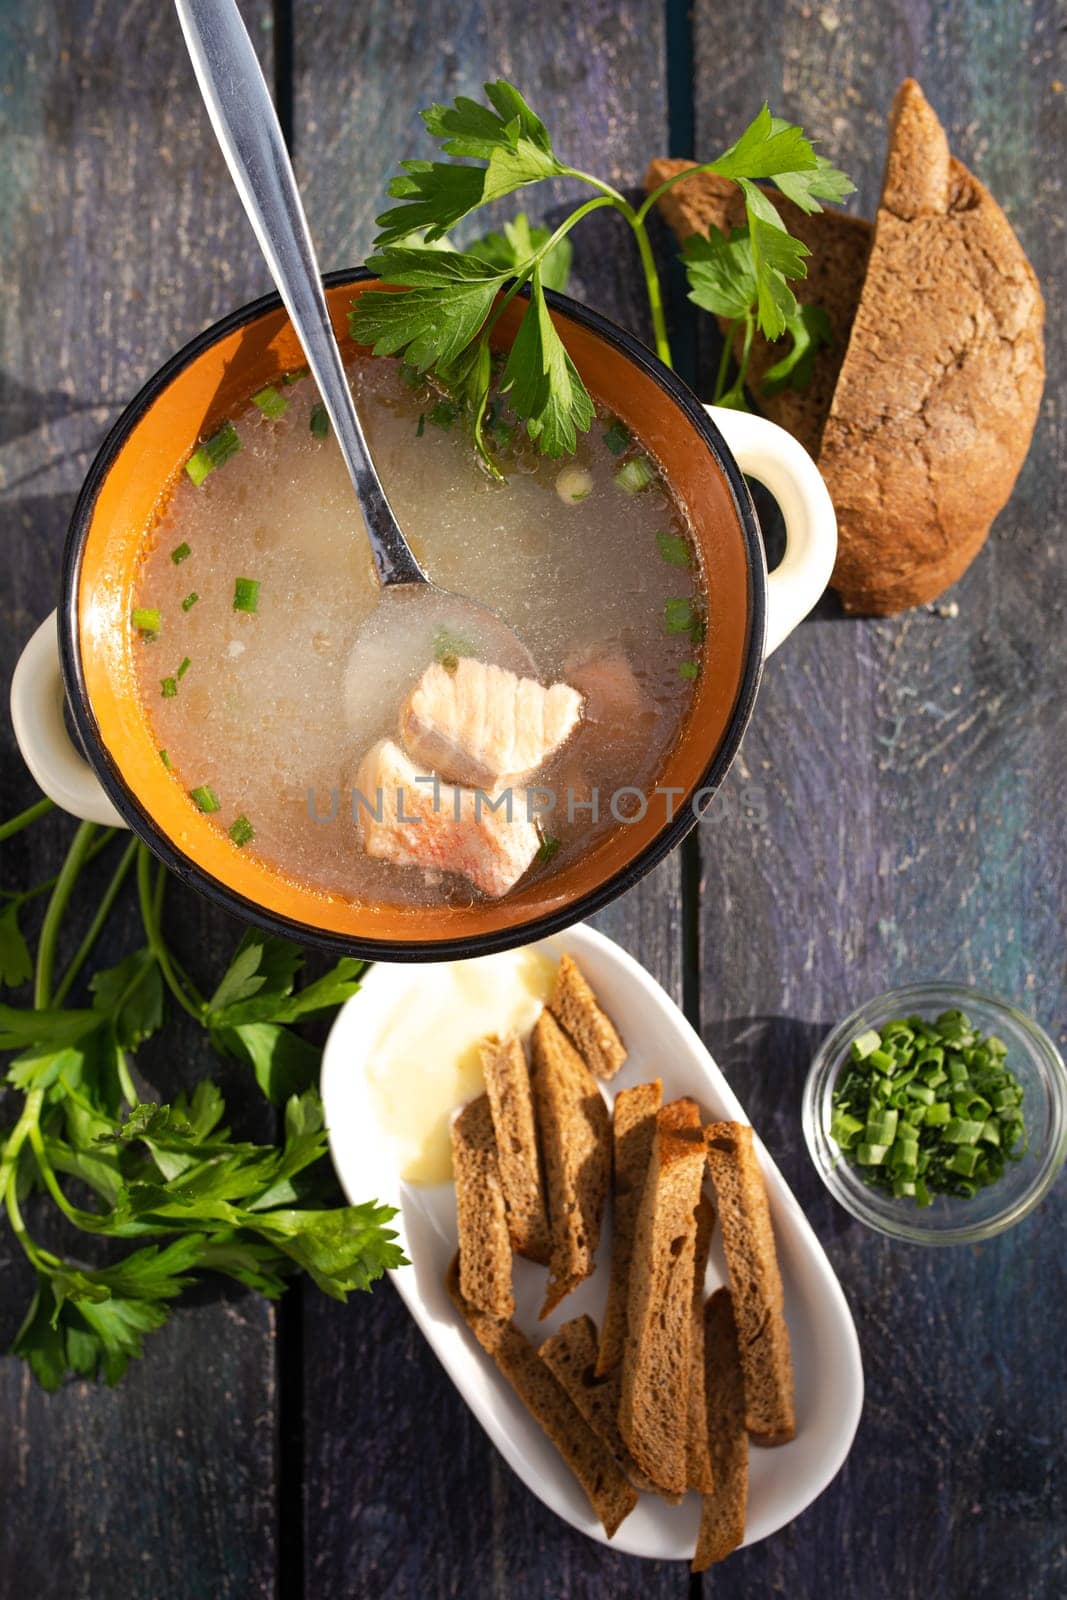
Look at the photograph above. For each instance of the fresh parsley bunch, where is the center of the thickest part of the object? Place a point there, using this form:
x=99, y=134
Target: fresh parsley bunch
x=443, y=322
x=167, y=1179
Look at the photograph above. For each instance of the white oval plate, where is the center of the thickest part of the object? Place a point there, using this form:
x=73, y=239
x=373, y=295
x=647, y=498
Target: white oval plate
x=661, y=1043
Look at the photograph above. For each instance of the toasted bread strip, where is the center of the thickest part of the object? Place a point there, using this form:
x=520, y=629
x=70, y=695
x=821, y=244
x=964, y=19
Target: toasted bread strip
x=633, y=1126
x=654, y=1401
x=576, y=1009
x=722, y=1513
x=571, y=1354
x=698, y=1466
x=507, y=1083
x=610, y=1495
x=756, y=1282
x=576, y=1139
x=484, y=1241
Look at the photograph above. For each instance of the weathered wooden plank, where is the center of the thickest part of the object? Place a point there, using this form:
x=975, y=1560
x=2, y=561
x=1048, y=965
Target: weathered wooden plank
x=120, y=238
x=404, y=1495
x=899, y=812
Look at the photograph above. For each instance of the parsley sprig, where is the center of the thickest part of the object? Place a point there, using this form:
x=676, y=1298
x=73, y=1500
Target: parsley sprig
x=164, y=1182
x=443, y=322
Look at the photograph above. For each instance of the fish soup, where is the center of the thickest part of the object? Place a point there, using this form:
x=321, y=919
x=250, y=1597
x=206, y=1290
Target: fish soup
x=257, y=578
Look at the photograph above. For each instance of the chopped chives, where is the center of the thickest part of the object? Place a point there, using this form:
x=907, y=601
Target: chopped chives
x=420, y=427
x=548, y=847
x=674, y=549
x=183, y=669
x=295, y=376
x=180, y=553
x=926, y=1109
x=681, y=616
x=165, y=758
x=213, y=452
x=616, y=437
x=271, y=402
x=246, y=595
x=205, y=797
x=241, y=831
x=319, y=422
x=190, y=601
x=146, y=621
x=168, y=688
x=689, y=669
x=635, y=474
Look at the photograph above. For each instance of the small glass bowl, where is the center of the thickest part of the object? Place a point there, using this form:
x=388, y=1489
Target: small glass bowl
x=1034, y=1060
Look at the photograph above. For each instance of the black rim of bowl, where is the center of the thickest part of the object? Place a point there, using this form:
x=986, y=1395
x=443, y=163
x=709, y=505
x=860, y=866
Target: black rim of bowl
x=130, y=808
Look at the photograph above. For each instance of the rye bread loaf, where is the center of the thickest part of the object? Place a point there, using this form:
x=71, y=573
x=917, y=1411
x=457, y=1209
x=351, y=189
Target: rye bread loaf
x=937, y=398
x=576, y=1140
x=606, y=1486
x=507, y=1084
x=577, y=1010
x=654, y=1399
x=840, y=246
x=484, y=1240
x=633, y=1126
x=722, y=1512
x=571, y=1355
x=755, y=1282
x=698, y=1473
x=921, y=413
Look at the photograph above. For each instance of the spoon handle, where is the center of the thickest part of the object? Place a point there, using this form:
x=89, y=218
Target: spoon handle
x=247, y=129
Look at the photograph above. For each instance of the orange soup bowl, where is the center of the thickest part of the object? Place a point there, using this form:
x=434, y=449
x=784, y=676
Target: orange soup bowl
x=84, y=651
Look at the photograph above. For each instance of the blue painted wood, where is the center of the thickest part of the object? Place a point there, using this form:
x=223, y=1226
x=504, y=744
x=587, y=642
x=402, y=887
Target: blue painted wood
x=899, y=812
x=119, y=239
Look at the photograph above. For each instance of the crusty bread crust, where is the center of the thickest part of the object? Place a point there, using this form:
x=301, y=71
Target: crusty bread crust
x=571, y=1355
x=507, y=1083
x=576, y=1140
x=698, y=1472
x=939, y=392
x=654, y=1401
x=577, y=1010
x=722, y=1512
x=607, y=1489
x=484, y=1240
x=633, y=1127
x=755, y=1281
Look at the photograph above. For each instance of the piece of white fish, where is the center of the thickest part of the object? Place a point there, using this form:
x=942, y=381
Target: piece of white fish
x=409, y=817
x=482, y=725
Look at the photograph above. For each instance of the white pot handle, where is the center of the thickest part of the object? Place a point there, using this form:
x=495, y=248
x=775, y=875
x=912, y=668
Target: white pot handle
x=766, y=452
x=37, y=715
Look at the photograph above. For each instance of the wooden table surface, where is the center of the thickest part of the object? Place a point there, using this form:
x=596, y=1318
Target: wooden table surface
x=899, y=810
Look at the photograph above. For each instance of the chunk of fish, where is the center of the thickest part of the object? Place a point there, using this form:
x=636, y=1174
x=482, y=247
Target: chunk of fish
x=482, y=725
x=409, y=817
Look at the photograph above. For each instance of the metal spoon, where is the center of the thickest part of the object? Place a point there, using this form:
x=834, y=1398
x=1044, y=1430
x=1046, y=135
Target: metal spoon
x=413, y=614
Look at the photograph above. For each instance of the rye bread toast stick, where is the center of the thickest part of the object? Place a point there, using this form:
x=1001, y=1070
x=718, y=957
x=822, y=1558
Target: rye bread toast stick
x=484, y=1241
x=722, y=1512
x=602, y=1479
x=698, y=1465
x=576, y=1139
x=507, y=1083
x=654, y=1401
x=755, y=1281
x=577, y=1010
x=571, y=1354
x=633, y=1126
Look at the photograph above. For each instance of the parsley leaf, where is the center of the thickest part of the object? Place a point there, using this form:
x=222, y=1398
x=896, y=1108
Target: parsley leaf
x=450, y=296
x=15, y=962
x=511, y=250
x=810, y=330
x=543, y=383
x=721, y=272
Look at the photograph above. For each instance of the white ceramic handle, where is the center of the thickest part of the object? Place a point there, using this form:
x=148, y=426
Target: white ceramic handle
x=766, y=452
x=37, y=715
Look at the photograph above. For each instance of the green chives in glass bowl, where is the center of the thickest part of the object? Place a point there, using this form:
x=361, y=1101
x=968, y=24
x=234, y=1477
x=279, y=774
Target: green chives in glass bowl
x=1031, y=1166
